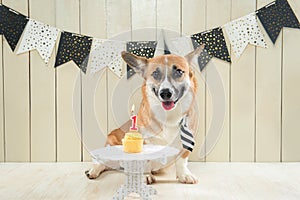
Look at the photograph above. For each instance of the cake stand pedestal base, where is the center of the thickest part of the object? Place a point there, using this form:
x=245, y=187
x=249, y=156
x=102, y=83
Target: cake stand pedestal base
x=134, y=182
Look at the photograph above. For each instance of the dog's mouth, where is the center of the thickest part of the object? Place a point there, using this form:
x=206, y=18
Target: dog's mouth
x=168, y=105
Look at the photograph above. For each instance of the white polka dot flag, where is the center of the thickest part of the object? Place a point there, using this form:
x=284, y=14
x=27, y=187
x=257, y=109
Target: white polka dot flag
x=39, y=36
x=243, y=31
x=106, y=53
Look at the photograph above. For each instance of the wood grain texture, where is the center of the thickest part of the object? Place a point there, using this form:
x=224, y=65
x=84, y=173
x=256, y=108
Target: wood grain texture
x=118, y=27
x=16, y=98
x=268, y=98
x=217, y=71
x=194, y=12
x=243, y=95
x=168, y=27
x=42, y=87
x=164, y=21
x=2, y=147
x=92, y=12
x=218, y=181
x=144, y=15
x=290, y=99
x=290, y=96
x=68, y=143
x=144, y=28
x=36, y=101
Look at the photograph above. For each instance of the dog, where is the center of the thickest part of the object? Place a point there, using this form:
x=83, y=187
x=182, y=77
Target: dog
x=168, y=92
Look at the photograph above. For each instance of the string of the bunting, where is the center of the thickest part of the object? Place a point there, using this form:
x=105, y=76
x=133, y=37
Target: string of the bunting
x=99, y=53
x=141, y=48
x=12, y=25
x=275, y=16
x=73, y=47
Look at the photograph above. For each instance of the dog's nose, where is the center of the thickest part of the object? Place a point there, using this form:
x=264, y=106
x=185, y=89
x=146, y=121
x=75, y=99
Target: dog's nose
x=165, y=94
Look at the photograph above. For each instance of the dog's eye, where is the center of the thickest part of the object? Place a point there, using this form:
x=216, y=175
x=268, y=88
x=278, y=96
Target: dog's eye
x=177, y=73
x=156, y=74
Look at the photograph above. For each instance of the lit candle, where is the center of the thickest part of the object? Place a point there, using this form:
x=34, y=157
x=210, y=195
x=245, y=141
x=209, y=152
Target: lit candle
x=133, y=120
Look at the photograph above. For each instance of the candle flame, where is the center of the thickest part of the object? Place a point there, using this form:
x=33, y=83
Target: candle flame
x=132, y=109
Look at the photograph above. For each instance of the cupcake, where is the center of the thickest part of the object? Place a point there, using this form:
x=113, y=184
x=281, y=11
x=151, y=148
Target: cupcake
x=133, y=142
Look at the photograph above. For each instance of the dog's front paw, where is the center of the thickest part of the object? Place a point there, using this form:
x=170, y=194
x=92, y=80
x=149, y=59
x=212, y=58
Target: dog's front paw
x=92, y=174
x=95, y=171
x=187, y=178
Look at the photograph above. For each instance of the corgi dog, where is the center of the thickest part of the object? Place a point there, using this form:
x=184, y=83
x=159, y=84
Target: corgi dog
x=168, y=97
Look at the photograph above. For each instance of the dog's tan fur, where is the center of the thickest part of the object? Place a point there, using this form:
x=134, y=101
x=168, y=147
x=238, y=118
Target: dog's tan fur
x=146, y=119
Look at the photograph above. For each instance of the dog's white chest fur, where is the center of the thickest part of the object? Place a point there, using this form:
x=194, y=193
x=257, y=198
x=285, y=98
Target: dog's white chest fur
x=169, y=136
x=170, y=127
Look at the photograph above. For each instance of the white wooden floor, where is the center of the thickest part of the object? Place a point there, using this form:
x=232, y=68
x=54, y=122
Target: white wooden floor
x=216, y=181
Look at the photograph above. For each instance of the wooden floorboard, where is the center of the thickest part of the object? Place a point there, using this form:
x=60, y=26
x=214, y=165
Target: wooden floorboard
x=216, y=181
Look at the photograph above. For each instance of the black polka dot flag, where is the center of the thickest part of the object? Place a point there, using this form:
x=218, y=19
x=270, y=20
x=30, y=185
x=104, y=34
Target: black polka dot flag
x=12, y=25
x=140, y=48
x=73, y=47
x=275, y=16
x=215, y=46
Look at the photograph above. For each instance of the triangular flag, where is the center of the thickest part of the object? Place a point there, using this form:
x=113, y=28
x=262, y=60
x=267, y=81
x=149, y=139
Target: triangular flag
x=182, y=45
x=73, y=47
x=116, y=66
x=39, y=36
x=166, y=48
x=275, y=16
x=243, y=31
x=106, y=53
x=215, y=46
x=164, y=45
x=12, y=25
x=141, y=48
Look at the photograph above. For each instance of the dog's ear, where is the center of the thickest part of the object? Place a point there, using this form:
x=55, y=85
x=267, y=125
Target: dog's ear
x=192, y=57
x=137, y=63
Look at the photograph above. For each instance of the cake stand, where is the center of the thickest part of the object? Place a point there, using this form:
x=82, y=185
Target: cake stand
x=134, y=165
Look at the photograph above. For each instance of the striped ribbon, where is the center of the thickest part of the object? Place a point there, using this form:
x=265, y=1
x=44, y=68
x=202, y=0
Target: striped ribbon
x=187, y=138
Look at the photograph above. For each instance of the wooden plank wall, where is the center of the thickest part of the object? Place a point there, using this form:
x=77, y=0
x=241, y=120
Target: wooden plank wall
x=261, y=87
x=243, y=95
x=2, y=147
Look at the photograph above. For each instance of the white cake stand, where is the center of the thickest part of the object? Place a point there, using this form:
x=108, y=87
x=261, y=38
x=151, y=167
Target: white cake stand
x=134, y=165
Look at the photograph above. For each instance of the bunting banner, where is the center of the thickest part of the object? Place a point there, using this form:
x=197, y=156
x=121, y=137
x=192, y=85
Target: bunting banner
x=106, y=53
x=275, y=16
x=99, y=53
x=182, y=45
x=141, y=48
x=244, y=31
x=164, y=45
x=39, y=36
x=215, y=46
x=73, y=47
x=12, y=25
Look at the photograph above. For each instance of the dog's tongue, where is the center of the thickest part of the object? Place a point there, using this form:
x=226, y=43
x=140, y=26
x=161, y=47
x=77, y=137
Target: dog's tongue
x=168, y=105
